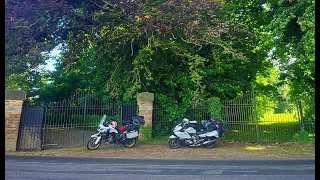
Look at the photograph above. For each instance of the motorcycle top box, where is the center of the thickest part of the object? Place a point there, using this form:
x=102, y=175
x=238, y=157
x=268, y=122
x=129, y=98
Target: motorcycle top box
x=137, y=120
x=132, y=127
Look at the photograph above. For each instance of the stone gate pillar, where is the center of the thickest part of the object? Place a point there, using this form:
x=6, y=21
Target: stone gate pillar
x=13, y=107
x=145, y=107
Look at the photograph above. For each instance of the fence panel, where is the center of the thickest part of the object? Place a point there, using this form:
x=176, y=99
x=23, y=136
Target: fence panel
x=160, y=124
x=240, y=119
x=279, y=125
x=279, y=122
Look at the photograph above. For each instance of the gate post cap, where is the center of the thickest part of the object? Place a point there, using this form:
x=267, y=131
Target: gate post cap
x=15, y=95
x=145, y=96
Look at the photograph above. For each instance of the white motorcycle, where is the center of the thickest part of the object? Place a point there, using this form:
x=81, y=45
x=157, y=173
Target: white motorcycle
x=184, y=133
x=127, y=134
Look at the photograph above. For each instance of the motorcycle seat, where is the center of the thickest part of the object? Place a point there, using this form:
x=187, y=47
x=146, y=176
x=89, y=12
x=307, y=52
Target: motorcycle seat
x=122, y=128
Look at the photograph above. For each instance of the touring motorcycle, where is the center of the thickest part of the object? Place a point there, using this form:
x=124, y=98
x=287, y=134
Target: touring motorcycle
x=108, y=133
x=185, y=133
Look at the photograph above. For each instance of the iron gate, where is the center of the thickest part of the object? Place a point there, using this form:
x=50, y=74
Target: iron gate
x=71, y=122
x=30, y=128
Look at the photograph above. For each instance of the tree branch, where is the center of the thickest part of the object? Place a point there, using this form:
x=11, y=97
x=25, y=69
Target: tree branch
x=102, y=6
x=200, y=45
x=28, y=26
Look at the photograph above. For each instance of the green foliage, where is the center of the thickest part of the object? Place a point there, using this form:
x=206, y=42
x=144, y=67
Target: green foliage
x=170, y=108
x=146, y=131
x=285, y=36
x=302, y=137
x=147, y=51
x=85, y=75
x=31, y=28
x=264, y=104
x=215, y=107
x=17, y=81
x=161, y=129
x=184, y=51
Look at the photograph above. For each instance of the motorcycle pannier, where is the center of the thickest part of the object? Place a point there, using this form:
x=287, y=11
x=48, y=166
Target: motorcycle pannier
x=132, y=134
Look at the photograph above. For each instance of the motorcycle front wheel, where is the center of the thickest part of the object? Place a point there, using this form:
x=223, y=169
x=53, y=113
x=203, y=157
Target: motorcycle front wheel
x=128, y=143
x=91, y=145
x=174, y=143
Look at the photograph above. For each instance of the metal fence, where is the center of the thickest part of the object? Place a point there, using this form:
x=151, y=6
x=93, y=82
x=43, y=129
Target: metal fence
x=70, y=123
x=245, y=120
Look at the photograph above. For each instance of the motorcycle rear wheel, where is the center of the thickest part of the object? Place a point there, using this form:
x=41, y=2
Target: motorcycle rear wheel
x=91, y=144
x=129, y=143
x=210, y=145
x=174, y=143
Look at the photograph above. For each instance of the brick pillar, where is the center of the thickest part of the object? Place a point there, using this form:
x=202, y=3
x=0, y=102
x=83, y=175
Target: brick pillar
x=13, y=107
x=145, y=106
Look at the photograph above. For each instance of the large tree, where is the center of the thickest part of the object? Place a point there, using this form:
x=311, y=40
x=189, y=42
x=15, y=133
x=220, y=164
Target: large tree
x=32, y=28
x=286, y=30
x=183, y=50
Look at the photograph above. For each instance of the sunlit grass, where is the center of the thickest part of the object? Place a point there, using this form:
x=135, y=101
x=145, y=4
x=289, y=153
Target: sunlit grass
x=271, y=118
x=254, y=148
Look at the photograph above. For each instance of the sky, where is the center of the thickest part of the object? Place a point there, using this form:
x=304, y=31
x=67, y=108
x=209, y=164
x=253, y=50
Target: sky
x=54, y=53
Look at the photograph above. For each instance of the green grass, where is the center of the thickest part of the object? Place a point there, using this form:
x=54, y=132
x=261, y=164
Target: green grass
x=161, y=139
x=271, y=118
x=276, y=132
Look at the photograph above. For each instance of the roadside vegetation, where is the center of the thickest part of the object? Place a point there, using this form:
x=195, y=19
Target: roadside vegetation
x=159, y=149
x=187, y=52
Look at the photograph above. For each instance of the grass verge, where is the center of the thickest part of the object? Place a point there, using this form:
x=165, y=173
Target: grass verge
x=159, y=149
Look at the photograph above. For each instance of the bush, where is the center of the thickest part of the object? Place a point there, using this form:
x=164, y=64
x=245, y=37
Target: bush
x=302, y=137
x=146, y=131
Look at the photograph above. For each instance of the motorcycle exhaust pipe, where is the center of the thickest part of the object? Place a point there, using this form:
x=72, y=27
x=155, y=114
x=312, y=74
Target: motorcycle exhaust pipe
x=211, y=141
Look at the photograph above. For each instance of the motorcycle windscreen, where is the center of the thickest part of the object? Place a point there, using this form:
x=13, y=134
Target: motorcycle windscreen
x=104, y=117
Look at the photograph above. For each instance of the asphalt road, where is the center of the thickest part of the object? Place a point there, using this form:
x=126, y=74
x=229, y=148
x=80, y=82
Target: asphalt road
x=80, y=168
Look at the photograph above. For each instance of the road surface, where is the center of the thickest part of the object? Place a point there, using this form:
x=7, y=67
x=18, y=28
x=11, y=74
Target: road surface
x=93, y=168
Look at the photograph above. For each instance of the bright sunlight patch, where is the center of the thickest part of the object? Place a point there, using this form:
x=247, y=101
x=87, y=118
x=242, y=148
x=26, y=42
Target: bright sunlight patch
x=271, y=118
x=254, y=148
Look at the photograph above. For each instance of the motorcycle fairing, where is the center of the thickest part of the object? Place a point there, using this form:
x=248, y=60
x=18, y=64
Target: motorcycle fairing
x=191, y=130
x=182, y=135
x=95, y=135
x=173, y=137
x=209, y=134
